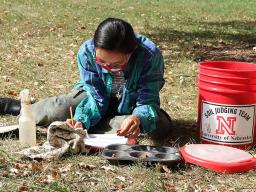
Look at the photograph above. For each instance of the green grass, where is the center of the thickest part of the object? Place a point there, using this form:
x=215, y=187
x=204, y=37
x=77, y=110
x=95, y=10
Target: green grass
x=38, y=45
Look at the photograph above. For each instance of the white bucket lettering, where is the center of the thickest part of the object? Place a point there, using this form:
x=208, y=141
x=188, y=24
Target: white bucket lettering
x=227, y=124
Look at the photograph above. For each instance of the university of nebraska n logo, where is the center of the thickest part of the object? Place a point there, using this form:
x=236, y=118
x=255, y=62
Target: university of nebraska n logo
x=226, y=125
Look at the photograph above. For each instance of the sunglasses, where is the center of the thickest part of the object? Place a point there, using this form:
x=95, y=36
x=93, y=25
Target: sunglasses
x=111, y=66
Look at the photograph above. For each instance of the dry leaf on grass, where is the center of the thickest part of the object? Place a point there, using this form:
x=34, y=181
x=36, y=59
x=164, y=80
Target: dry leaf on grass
x=79, y=173
x=108, y=168
x=86, y=166
x=37, y=166
x=163, y=169
x=54, y=174
x=65, y=170
x=22, y=188
x=4, y=173
x=121, y=178
x=14, y=171
x=18, y=165
x=166, y=169
x=169, y=187
x=119, y=185
x=12, y=93
x=52, y=177
x=2, y=160
x=26, y=173
x=5, y=78
x=24, y=169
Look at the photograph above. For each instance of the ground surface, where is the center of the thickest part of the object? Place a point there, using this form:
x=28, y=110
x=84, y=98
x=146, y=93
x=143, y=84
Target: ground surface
x=38, y=45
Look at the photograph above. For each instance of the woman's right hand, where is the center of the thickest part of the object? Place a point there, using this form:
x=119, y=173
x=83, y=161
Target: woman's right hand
x=77, y=124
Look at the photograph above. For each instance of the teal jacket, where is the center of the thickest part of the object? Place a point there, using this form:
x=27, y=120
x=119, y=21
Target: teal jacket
x=140, y=96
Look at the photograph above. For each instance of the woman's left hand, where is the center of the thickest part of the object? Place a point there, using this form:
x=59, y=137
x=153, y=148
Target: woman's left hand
x=130, y=127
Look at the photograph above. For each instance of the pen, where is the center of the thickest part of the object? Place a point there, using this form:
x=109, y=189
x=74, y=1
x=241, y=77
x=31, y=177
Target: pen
x=71, y=116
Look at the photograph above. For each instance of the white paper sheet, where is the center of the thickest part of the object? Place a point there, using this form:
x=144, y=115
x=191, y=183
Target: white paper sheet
x=5, y=129
x=102, y=140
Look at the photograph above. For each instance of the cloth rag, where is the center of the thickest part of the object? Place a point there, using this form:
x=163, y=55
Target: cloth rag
x=61, y=139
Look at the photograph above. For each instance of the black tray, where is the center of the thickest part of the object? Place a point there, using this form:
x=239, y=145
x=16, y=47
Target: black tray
x=124, y=153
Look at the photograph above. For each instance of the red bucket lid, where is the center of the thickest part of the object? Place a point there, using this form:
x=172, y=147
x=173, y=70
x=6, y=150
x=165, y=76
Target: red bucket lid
x=219, y=158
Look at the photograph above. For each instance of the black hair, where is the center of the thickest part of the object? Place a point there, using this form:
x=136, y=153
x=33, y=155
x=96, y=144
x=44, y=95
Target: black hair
x=115, y=35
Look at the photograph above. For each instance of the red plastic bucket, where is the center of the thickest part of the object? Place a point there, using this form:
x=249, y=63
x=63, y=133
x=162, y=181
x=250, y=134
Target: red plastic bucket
x=223, y=86
x=221, y=79
x=228, y=69
x=227, y=103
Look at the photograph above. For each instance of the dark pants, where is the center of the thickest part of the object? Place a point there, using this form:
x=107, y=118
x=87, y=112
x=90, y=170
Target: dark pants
x=57, y=109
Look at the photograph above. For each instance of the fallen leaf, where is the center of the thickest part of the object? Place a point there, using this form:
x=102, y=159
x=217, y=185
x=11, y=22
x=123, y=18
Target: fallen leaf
x=166, y=169
x=120, y=185
x=169, y=187
x=18, y=165
x=37, y=166
x=79, y=173
x=52, y=177
x=6, y=79
x=54, y=174
x=65, y=169
x=182, y=80
x=121, y=178
x=14, y=171
x=5, y=173
x=108, y=168
x=86, y=166
x=23, y=188
x=2, y=160
x=52, y=29
x=12, y=93
x=26, y=173
x=36, y=83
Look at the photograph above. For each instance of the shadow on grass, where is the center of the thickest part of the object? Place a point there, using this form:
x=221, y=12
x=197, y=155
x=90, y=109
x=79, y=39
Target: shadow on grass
x=10, y=135
x=183, y=132
x=232, y=40
x=41, y=135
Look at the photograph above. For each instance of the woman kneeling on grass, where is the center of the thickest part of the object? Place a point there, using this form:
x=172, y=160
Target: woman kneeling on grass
x=121, y=74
